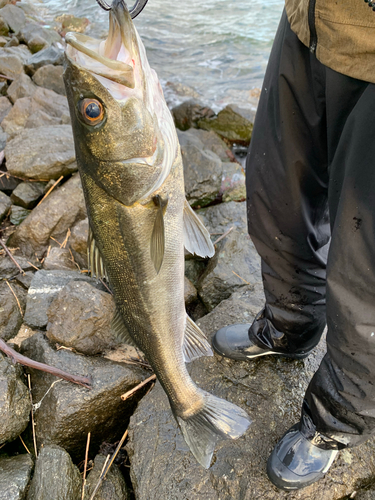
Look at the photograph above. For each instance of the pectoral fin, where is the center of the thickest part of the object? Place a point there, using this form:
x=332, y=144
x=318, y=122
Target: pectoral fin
x=94, y=259
x=196, y=237
x=195, y=343
x=157, y=245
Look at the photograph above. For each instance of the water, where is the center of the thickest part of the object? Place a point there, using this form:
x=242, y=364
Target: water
x=219, y=48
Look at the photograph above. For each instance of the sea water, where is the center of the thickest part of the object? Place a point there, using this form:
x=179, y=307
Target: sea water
x=214, y=50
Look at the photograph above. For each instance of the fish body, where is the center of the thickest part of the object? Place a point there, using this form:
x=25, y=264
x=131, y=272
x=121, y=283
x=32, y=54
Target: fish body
x=132, y=176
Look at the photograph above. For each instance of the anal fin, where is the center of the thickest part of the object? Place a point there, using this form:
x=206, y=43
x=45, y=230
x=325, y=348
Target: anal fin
x=195, y=343
x=119, y=329
x=94, y=259
x=196, y=237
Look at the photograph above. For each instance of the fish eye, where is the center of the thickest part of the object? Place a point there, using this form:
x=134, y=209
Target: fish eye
x=92, y=111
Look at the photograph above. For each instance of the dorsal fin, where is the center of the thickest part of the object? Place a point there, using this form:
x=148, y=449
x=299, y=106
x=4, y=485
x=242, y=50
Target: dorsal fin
x=196, y=237
x=94, y=259
x=119, y=329
x=157, y=244
x=195, y=343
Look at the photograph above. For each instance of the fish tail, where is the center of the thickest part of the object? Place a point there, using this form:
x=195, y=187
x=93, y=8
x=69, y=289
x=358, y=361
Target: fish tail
x=218, y=419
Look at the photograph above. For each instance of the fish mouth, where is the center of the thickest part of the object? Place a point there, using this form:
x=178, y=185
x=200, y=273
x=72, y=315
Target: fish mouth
x=116, y=59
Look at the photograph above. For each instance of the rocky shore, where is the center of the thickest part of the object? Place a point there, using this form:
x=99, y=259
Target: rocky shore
x=56, y=313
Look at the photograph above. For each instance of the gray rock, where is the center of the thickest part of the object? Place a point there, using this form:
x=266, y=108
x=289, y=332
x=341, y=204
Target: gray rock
x=219, y=218
x=43, y=153
x=44, y=287
x=50, y=55
x=114, y=486
x=59, y=258
x=202, y=171
x=190, y=292
x=188, y=114
x=10, y=314
x=233, y=185
x=50, y=77
x=15, y=473
x=213, y=142
x=194, y=269
x=20, y=50
x=271, y=391
x=33, y=31
x=3, y=142
x=68, y=412
x=27, y=194
x=63, y=208
x=13, y=41
x=78, y=242
x=5, y=107
x=18, y=214
x=8, y=183
x=5, y=204
x=44, y=108
x=21, y=87
x=10, y=65
x=25, y=279
x=3, y=83
x=14, y=17
x=37, y=43
x=80, y=317
x=9, y=270
x=14, y=401
x=55, y=476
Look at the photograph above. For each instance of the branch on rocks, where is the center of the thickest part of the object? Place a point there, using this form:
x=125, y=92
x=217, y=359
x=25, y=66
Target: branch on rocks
x=137, y=387
x=7, y=251
x=23, y=360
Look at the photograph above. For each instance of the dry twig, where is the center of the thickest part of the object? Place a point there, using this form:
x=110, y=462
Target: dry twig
x=137, y=387
x=85, y=466
x=223, y=235
x=32, y=265
x=23, y=360
x=32, y=416
x=238, y=276
x=7, y=251
x=50, y=189
x=23, y=442
x=15, y=296
x=63, y=244
x=6, y=77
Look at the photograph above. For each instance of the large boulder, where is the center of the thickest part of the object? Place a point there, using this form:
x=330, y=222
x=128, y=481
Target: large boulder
x=68, y=412
x=14, y=400
x=189, y=113
x=55, y=476
x=63, y=208
x=15, y=473
x=12, y=306
x=50, y=77
x=50, y=55
x=21, y=87
x=14, y=17
x=10, y=65
x=37, y=37
x=213, y=142
x=230, y=123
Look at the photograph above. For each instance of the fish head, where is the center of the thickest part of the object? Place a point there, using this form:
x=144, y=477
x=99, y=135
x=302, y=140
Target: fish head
x=124, y=134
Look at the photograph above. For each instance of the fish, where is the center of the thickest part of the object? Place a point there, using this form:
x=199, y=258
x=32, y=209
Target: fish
x=131, y=170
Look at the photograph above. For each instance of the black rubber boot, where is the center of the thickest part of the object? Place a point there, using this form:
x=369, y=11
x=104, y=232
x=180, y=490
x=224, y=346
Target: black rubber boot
x=233, y=342
x=296, y=462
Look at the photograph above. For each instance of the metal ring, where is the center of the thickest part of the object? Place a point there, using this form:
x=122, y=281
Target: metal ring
x=134, y=11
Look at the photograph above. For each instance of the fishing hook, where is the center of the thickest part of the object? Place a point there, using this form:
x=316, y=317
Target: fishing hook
x=134, y=11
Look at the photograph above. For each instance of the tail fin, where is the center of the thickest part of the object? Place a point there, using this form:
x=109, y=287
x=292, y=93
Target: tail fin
x=218, y=419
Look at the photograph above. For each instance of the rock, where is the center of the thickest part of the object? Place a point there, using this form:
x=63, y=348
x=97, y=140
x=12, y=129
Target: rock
x=233, y=183
x=4, y=29
x=194, y=269
x=8, y=183
x=21, y=87
x=50, y=55
x=10, y=65
x=36, y=43
x=14, y=401
x=50, y=77
x=114, y=486
x=80, y=317
x=3, y=40
x=9, y=270
x=219, y=218
x=43, y=153
x=25, y=279
x=27, y=194
x=68, y=412
x=45, y=107
x=63, y=208
x=15, y=473
x=55, y=476
x=3, y=84
x=37, y=37
x=10, y=314
x=229, y=123
x=214, y=143
x=5, y=204
x=190, y=291
x=18, y=214
x=13, y=41
x=3, y=142
x=14, y=17
x=78, y=242
x=72, y=23
x=20, y=50
x=45, y=286
x=202, y=171
x=59, y=258
x=5, y=107
x=189, y=113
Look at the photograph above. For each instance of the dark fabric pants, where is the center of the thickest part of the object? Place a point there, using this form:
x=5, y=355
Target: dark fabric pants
x=311, y=216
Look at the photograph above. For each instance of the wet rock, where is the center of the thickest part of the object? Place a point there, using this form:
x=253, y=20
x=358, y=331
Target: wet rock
x=15, y=473
x=72, y=23
x=190, y=291
x=233, y=184
x=189, y=113
x=202, y=171
x=5, y=204
x=5, y=107
x=44, y=287
x=44, y=108
x=63, y=208
x=78, y=242
x=14, y=401
x=14, y=17
x=229, y=123
x=55, y=476
x=10, y=314
x=50, y=55
x=59, y=258
x=37, y=37
x=114, y=486
x=10, y=65
x=214, y=143
x=68, y=412
x=18, y=214
x=50, y=77
x=27, y=194
x=21, y=87
x=80, y=317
